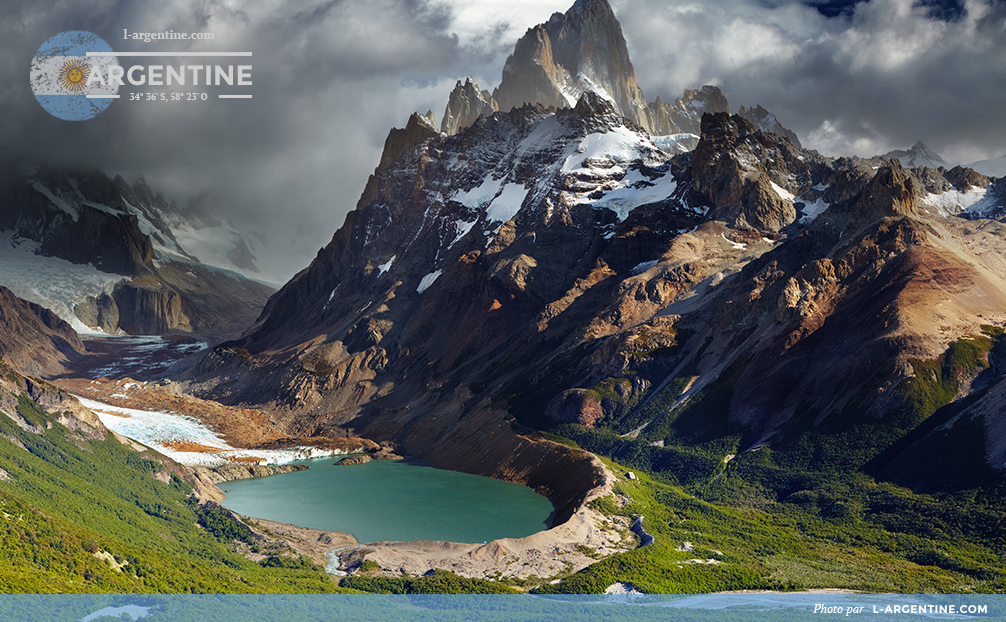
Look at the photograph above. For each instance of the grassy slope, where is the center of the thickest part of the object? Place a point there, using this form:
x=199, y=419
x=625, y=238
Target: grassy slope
x=785, y=519
x=811, y=513
x=68, y=498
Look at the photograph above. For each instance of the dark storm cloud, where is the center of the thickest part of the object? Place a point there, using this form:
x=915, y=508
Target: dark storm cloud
x=333, y=76
x=330, y=80
x=883, y=76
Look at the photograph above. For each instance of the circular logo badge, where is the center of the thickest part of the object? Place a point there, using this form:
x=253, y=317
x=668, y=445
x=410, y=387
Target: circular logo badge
x=68, y=83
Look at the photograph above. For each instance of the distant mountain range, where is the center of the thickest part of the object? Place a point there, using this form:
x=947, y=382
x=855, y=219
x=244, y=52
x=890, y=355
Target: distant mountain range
x=108, y=256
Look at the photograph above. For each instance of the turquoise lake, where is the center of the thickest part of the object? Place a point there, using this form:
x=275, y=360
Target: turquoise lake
x=392, y=500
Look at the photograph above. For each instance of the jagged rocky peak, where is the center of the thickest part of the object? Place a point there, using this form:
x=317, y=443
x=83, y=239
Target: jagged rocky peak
x=684, y=116
x=744, y=172
x=918, y=155
x=583, y=51
x=466, y=104
x=399, y=141
x=767, y=122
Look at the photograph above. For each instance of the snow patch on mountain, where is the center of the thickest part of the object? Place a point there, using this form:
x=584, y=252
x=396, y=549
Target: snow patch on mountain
x=51, y=282
x=613, y=158
x=621, y=145
x=428, y=280
x=812, y=210
x=163, y=431
x=989, y=206
x=675, y=143
x=506, y=204
x=734, y=245
x=384, y=267
x=635, y=190
x=461, y=228
x=541, y=136
x=782, y=192
x=480, y=195
x=58, y=202
x=213, y=246
x=643, y=267
x=953, y=201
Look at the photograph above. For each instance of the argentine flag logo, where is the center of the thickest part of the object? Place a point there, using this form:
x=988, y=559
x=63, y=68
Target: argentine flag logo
x=67, y=82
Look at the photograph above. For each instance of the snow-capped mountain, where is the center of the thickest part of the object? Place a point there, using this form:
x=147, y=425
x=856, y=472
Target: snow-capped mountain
x=995, y=167
x=918, y=155
x=109, y=256
x=545, y=252
x=583, y=50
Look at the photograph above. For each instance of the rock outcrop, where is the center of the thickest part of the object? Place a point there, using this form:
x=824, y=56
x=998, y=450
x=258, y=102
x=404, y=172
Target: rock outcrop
x=582, y=51
x=767, y=122
x=33, y=340
x=466, y=104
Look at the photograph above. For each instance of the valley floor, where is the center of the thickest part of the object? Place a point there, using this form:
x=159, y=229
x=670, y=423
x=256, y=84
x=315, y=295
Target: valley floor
x=116, y=384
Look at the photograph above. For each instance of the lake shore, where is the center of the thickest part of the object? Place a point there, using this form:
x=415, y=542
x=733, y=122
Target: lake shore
x=542, y=554
x=315, y=544
x=546, y=553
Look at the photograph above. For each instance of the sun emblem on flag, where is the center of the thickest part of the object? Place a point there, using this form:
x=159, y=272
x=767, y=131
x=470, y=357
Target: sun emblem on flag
x=73, y=75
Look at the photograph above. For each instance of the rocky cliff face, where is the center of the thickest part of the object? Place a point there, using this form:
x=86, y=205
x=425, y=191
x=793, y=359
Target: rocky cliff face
x=134, y=274
x=33, y=340
x=583, y=50
x=549, y=266
x=466, y=104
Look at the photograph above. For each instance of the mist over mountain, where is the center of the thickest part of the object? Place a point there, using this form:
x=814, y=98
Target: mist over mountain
x=849, y=78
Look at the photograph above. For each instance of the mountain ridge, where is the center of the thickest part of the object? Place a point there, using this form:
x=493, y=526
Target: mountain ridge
x=107, y=255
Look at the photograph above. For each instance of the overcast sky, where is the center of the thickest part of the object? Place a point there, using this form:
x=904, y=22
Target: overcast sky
x=331, y=77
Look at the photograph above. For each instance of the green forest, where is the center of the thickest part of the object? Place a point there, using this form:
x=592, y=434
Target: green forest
x=81, y=515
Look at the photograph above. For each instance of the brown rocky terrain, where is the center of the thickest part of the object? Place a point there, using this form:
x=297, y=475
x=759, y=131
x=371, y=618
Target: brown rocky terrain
x=33, y=340
x=429, y=323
